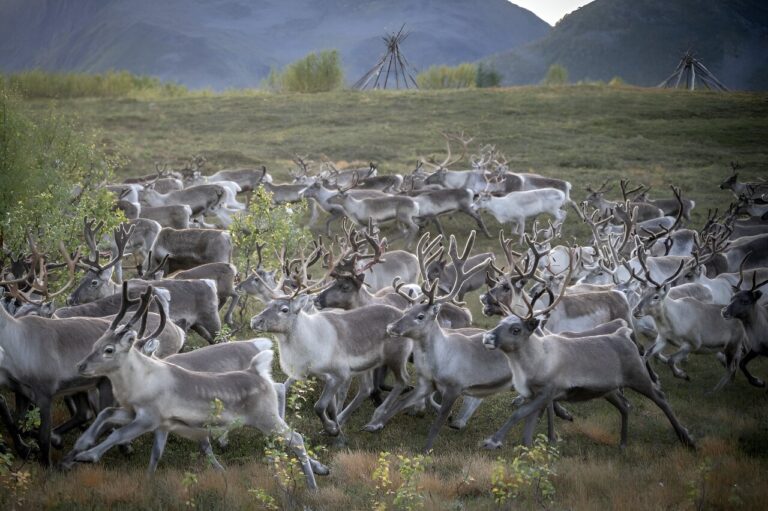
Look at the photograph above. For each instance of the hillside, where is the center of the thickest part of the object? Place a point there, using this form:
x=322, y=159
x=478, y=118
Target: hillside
x=642, y=41
x=231, y=43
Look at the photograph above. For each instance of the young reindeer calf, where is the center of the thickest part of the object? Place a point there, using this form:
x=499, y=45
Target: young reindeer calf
x=166, y=398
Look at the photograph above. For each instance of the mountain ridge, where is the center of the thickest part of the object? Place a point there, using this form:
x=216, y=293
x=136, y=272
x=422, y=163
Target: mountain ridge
x=234, y=43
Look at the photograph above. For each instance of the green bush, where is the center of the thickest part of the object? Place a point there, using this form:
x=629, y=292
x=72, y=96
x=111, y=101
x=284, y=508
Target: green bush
x=42, y=84
x=487, y=76
x=317, y=72
x=556, y=75
x=50, y=178
x=463, y=76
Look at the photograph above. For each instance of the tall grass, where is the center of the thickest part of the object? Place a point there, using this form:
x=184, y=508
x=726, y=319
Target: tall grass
x=463, y=76
x=112, y=84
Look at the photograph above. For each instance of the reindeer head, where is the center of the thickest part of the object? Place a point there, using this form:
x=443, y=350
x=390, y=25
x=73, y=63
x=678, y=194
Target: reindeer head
x=744, y=301
x=97, y=279
x=111, y=349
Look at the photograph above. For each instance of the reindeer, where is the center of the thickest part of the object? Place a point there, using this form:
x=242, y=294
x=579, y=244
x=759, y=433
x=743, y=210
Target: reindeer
x=319, y=193
x=187, y=248
x=166, y=398
x=740, y=189
x=193, y=305
x=516, y=207
x=334, y=347
x=377, y=210
x=551, y=367
x=693, y=326
x=222, y=274
x=745, y=307
x=433, y=203
x=645, y=211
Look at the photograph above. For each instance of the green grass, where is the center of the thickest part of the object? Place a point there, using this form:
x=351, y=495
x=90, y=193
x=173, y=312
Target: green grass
x=583, y=134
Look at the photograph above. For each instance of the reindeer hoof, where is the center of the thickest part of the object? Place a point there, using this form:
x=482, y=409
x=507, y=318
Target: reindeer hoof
x=373, y=428
x=56, y=442
x=86, y=457
x=757, y=382
x=318, y=468
x=332, y=429
x=491, y=444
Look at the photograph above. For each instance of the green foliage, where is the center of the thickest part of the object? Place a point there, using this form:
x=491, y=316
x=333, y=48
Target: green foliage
x=557, y=75
x=317, y=72
x=407, y=495
x=112, y=84
x=529, y=474
x=463, y=76
x=272, y=226
x=299, y=396
x=487, y=76
x=264, y=499
x=50, y=179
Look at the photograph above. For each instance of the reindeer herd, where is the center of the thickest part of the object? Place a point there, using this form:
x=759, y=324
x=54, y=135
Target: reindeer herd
x=577, y=321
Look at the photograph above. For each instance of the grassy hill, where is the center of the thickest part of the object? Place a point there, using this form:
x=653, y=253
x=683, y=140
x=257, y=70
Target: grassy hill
x=234, y=43
x=583, y=134
x=642, y=41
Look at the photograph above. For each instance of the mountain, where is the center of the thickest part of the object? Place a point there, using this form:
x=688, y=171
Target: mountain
x=642, y=42
x=234, y=43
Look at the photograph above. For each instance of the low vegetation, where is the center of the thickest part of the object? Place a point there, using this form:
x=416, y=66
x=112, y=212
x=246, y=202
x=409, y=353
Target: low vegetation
x=317, y=72
x=556, y=75
x=581, y=133
x=49, y=179
x=112, y=84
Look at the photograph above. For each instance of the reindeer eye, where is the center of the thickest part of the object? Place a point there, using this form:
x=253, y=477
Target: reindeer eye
x=94, y=283
x=515, y=330
x=284, y=309
x=506, y=287
x=420, y=316
x=109, y=350
x=655, y=297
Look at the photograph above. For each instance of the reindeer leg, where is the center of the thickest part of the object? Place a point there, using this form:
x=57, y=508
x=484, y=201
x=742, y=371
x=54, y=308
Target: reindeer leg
x=533, y=406
x=207, y=450
x=677, y=357
x=234, y=299
x=365, y=386
x=468, y=408
x=108, y=418
x=449, y=397
x=140, y=425
x=646, y=388
x=332, y=384
x=621, y=406
x=751, y=355
x=158, y=446
x=21, y=448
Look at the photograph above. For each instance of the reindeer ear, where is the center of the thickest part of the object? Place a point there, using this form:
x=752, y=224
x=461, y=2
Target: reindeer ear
x=301, y=302
x=435, y=310
x=757, y=294
x=150, y=347
x=532, y=324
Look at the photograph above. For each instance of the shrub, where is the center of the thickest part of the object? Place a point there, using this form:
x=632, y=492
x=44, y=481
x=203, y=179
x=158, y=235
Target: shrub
x=463, y=76
x=556, y=75
x=50, y=177
x=317, y=72
x=42, y=84
x=487, y=76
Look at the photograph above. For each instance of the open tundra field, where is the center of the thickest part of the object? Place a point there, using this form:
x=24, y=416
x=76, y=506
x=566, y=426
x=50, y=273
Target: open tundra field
x=584, y=134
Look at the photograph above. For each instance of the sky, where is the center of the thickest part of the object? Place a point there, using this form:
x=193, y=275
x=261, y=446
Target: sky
x=551, y=11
